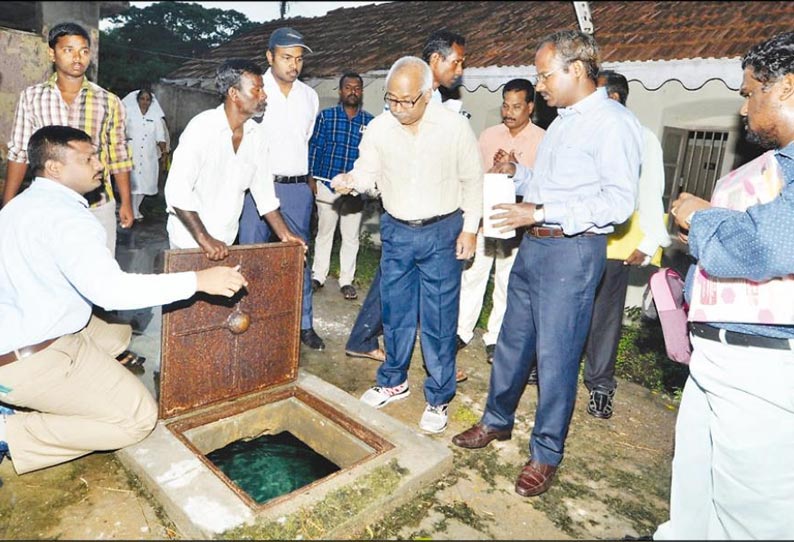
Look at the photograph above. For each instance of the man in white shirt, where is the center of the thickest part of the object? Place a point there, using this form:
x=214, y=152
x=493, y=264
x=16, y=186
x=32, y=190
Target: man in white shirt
x=445, y=52
x=602, y=343
x=56, y=359
x=221, y=154
x=425, y=162
x=288, y=124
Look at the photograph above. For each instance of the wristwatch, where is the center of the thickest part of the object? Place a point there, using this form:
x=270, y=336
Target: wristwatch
x=539, y=215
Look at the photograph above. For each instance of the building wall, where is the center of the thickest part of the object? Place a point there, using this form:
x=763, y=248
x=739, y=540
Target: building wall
x=181, y=104
x=23, y=63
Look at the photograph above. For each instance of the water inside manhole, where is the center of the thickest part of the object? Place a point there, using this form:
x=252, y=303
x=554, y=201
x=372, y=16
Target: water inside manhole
x=269, y=466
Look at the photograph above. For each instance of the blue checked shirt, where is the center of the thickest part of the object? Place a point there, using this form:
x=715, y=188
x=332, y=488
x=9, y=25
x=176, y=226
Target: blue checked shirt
x=334, y=144
x=757, y=244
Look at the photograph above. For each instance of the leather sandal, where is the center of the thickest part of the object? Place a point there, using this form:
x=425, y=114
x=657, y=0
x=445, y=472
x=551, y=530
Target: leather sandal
x=128, y=358
x=348, y=291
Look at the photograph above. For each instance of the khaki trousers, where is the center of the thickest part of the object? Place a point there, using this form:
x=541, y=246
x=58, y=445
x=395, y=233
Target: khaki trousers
x=81, y=399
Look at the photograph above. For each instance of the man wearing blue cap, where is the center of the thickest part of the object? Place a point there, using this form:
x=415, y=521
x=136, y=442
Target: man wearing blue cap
x=288, y=122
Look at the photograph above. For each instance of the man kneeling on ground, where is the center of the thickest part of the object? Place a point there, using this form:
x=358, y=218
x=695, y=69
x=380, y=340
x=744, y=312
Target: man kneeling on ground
x=57, y=362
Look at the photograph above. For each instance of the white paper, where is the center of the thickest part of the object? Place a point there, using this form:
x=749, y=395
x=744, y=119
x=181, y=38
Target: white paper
x=497, y=188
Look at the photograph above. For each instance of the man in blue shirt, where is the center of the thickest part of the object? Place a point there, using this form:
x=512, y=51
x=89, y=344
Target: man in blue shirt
x=733, y=477
x=584, y=181
x=332, y=150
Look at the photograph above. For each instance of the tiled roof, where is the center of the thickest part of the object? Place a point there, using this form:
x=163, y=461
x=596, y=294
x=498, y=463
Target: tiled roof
x=372, y=37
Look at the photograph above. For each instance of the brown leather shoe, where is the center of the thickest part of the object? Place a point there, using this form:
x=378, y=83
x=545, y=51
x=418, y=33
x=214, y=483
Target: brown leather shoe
x=479, y=435
x=535, y=478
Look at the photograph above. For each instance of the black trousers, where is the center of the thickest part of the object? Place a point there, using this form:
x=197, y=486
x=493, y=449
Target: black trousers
x=602, y=342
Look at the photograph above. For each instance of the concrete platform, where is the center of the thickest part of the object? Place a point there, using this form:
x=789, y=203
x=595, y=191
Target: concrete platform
x=203, y=506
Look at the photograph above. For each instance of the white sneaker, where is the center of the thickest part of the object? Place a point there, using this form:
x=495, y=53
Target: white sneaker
x=434, y=419
x=378, y=396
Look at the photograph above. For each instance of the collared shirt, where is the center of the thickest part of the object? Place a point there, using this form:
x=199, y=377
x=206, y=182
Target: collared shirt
x=334, y=144
x=645, y=230
x=96, y=111
x=422, y=175
x=207, y=176
x=756, y=244
x=649, y=198
x=524, y=144
x=288, y=123
x=587, y=166
x=54, y=263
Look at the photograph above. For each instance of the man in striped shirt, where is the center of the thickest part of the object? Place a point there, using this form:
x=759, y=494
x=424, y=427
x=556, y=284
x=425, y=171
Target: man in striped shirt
x=68, y=98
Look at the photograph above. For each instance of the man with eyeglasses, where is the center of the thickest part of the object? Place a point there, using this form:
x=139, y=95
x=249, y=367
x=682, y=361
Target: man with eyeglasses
x=584, y=180
x=424, y=161
x=445, y=53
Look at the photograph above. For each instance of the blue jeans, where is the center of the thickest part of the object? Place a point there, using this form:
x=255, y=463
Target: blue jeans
x=297, y=202
x=420, y=281
x=549, y=305
x=369, y=322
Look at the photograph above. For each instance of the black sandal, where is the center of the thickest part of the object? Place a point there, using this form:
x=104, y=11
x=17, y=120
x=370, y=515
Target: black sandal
x=348, y=291
x=128, y=358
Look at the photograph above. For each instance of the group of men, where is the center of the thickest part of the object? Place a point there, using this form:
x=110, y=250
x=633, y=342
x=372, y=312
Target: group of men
x=588, y=173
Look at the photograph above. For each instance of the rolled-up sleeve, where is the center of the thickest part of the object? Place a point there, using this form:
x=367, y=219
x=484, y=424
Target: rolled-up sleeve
x=119, y=155
x=21, y=130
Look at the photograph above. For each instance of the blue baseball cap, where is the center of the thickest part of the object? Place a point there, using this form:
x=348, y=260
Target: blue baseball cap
x=286, y=37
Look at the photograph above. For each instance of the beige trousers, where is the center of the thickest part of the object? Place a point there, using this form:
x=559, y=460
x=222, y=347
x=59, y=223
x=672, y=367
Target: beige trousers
x=80, y=399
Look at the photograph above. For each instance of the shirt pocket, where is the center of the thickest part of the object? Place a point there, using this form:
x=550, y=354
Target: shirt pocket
x=571, y=165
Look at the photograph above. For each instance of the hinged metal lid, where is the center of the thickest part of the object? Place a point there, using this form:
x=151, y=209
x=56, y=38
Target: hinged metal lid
x=208, y=352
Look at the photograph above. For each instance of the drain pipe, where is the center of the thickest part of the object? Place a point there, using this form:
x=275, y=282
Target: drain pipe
x=584, y=16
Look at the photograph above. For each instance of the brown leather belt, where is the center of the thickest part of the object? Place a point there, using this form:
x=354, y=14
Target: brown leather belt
x=24, y=352
x=541, y=231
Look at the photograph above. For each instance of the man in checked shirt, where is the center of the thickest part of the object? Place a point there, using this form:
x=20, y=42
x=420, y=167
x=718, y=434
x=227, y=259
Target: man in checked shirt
x=332, y=150
x=68, y=98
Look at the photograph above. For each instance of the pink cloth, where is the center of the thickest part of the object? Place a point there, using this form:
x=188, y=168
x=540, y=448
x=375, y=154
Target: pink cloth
x=740, y=300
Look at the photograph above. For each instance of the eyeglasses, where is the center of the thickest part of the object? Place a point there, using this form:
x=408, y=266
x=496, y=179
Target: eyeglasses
x=406, y=104
x=541, y=77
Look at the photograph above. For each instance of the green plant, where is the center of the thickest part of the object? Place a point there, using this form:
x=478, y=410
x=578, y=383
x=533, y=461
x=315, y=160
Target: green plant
x=641, y=357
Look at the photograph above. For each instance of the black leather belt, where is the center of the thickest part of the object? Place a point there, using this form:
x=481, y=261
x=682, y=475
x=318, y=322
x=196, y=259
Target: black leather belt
x=24, y=352
x=706, y=331
x=543, y=232
x=425, y=221
x=294, y=179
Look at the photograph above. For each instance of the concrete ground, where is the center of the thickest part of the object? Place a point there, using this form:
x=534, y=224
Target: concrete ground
x=613, y=482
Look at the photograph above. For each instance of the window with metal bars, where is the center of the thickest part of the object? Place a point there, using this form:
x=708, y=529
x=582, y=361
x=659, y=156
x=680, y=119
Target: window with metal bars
x=693, y=161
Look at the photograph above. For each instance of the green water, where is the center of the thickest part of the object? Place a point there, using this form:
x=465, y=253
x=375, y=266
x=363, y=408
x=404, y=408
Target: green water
x=271, y=465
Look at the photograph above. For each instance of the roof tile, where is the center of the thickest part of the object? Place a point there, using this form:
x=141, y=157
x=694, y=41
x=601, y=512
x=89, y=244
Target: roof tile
x=372, y=37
